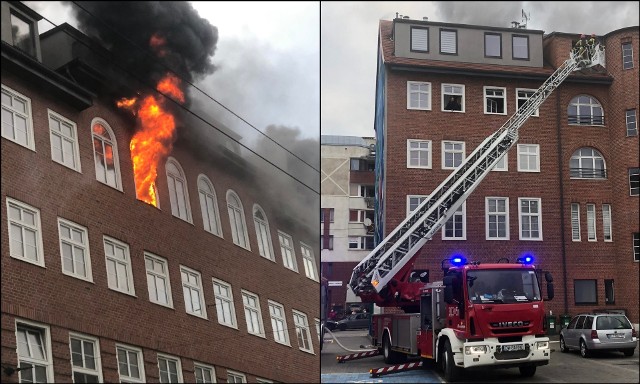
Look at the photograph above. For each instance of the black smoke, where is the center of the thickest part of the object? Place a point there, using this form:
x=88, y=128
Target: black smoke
x=126, y=27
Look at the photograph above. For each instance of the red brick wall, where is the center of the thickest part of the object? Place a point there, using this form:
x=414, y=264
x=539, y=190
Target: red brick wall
x=68, y=304
x=584, y=260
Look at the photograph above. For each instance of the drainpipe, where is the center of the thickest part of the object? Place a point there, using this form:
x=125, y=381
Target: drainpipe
x=561, y=173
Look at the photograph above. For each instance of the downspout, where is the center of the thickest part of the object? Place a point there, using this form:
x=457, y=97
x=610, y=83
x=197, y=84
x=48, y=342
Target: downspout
x=561, y=173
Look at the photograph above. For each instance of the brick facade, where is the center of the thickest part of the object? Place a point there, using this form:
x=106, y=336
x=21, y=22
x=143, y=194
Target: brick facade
x=557, y=140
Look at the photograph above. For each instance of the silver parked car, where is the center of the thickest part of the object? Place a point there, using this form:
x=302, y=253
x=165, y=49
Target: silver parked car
x=599, y=331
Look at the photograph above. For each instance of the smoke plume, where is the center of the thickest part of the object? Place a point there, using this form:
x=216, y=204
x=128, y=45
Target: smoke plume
x=147, y=37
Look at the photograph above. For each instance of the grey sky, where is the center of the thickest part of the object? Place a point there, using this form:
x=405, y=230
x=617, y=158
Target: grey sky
x=349, y=33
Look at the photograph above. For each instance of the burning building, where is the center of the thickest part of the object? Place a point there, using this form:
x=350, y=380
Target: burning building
x=118, y=260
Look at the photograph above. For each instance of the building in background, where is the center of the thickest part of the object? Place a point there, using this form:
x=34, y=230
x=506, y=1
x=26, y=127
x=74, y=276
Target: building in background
x=347, y=212
x=566, y=193
x=99, y=286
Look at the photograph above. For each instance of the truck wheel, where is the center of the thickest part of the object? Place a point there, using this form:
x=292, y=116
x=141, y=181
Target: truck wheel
x=584, y=351
x=563, y=346
x=451, y=371
x=527, y=370
x=390, y=356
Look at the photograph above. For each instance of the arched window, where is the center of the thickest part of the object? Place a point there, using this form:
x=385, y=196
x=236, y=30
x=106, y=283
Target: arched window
x=105, y=154
x=209, y=206
x=263, y=233
x=178, y=193
x=585, y=110
x=237, y=221
x=587, y=163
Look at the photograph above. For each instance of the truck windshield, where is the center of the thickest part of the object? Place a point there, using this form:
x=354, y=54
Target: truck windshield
x=503, y=286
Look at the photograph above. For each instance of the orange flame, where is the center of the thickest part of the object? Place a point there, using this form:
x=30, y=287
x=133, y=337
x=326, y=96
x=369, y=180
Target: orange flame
x=156, y=42
x=170, y=85
x=153, y=142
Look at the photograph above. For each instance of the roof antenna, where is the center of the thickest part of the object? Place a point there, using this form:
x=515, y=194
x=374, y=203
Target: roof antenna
x=525, y=19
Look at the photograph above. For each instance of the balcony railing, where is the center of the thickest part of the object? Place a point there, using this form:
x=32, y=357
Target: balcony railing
x=587, y=173
x=586, y=120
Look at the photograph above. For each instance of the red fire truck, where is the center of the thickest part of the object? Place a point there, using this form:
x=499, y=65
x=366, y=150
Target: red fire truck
x=480, y=314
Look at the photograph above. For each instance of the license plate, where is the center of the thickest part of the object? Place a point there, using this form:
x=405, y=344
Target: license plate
x=616, y=336
x=512, y=348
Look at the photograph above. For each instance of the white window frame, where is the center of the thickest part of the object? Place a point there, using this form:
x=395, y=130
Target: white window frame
x=116, y=261
x=518, y=98
x=631, y=122
x=633, y=184
x=593, y=104
x=420, y=151
x=73, y=139
x=279, y=316
x=184, y=212
x=302, y=330
x=111, y=140
x=525, y=150
x=139, y=361
x=420, y=92
x=485, y=98
x=45, y=337
x=575, y=222
x=252, y=312
x=221, y=299
x=590, y=159
x=169, y=358
x=36, y=227
x=237, y=220
x=455, y=151
x=259, y=380
x=309, y=261
x=630, y=51
x=444, y=95
x=359, y=242
x=236, y=376
x=204, y=367
x=263, y=233
x=419, y=198
x=288, y=251
x=505, y=214
x=209, y=206
x=158, y=275
x=460, y=213
x=317, y=322
x=607, y=224
x=28, y=116
x=503, y=164
x=74, y=245
x=191, y=286
x=97, y=360
x=528, y=215
x=591, y=222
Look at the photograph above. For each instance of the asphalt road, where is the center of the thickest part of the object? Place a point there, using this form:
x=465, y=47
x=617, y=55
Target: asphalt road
x=605, y=367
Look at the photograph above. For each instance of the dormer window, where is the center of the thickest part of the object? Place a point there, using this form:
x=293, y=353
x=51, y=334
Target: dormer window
x=22, y=33
x=419, y=39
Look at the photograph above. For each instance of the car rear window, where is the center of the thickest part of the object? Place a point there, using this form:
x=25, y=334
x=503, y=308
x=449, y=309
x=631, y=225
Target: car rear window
x=588, y=322
x=612, y=322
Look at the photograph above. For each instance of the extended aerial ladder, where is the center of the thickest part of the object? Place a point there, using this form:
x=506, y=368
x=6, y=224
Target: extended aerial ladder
x=383, y=277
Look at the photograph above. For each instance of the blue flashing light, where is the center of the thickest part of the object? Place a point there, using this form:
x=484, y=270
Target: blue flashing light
x=527, y=259
x=458, y=261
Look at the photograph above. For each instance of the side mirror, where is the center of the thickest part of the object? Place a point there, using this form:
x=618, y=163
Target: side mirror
x=550, y=292
x=548, y=277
